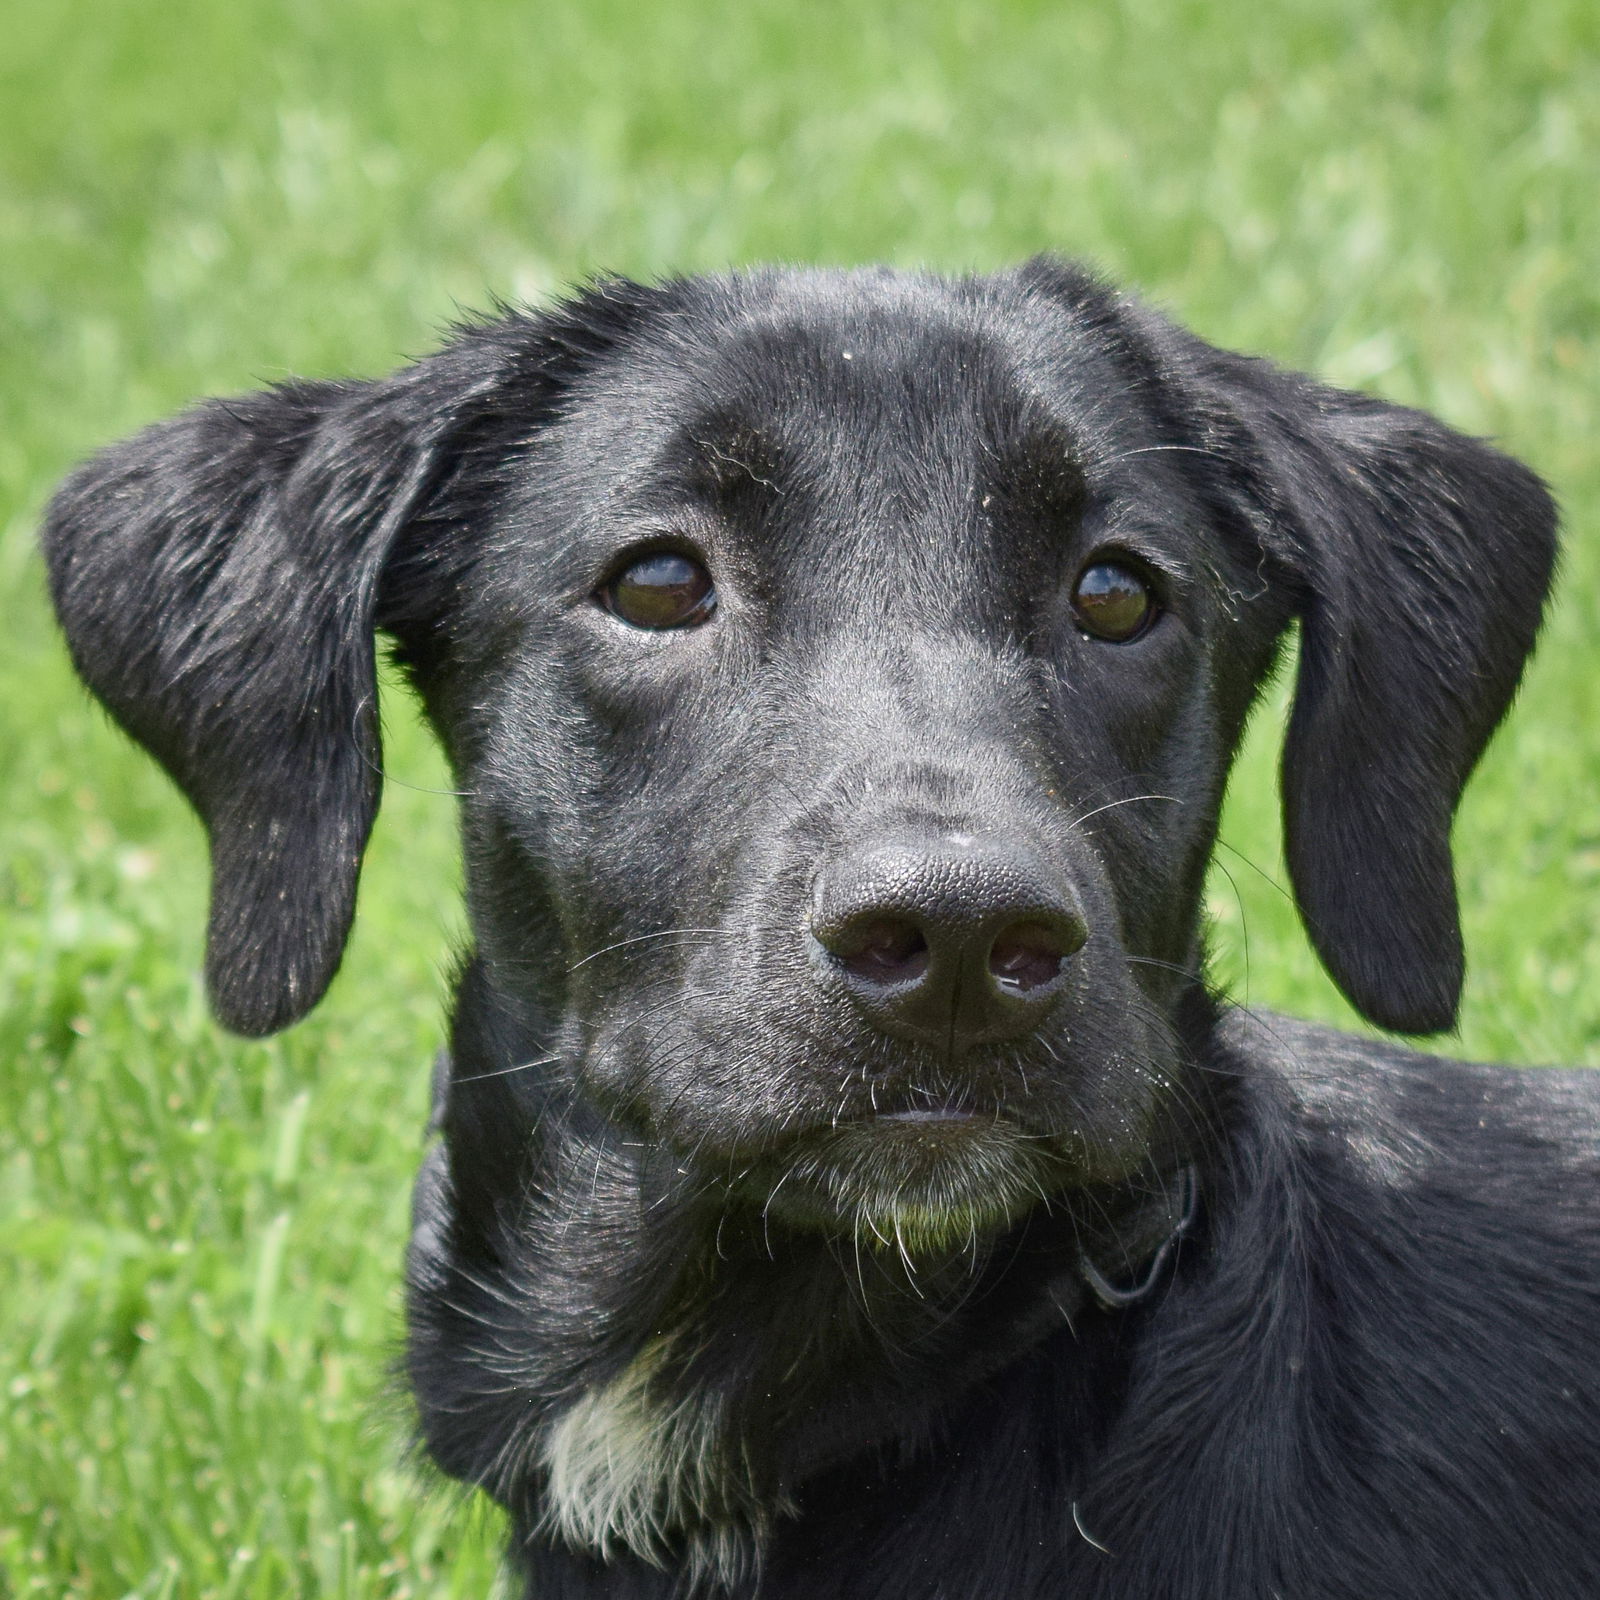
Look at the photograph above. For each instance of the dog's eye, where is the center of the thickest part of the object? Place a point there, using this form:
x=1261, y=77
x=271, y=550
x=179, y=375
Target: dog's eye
x=661, y=590
x=1113, y=602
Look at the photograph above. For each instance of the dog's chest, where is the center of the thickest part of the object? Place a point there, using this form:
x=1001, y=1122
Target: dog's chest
x=634, y=1467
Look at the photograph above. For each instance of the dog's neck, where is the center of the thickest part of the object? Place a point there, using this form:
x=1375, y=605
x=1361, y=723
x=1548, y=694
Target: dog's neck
x=774, y=1355
x=694, y=1363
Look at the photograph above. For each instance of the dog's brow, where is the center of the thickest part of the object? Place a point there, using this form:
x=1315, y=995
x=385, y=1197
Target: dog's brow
x=1034, y=454
x=734, y=452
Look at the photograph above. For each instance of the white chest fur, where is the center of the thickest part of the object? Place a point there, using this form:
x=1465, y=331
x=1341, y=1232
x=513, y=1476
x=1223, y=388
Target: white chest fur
x=633, y=1468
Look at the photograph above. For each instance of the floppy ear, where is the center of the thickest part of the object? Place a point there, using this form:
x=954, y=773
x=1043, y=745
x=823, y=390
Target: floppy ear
x=217, y=578
x=1419, y=560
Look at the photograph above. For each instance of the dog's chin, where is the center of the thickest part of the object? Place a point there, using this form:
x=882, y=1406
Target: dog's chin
x=915, y=1182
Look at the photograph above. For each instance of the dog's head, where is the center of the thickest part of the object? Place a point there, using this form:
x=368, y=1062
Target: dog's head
x=841, y=672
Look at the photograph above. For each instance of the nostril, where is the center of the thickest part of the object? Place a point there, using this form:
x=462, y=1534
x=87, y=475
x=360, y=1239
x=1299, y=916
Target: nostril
x=1028, y=955
x=886, y=950
x=957, y=941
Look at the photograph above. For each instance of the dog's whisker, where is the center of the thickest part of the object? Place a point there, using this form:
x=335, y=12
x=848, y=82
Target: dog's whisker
x=506, y=1072
x=359, y=745
x=1166, y=449
x=1132, y=799
x=1260, y=871
x=685, y=934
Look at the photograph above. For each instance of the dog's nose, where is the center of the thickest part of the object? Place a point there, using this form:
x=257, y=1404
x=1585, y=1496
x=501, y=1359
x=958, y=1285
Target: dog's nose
x=951, y=940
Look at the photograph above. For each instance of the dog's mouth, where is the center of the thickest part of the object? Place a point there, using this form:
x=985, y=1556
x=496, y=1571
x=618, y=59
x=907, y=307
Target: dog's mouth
x=947, y=1115
x=915, y=1180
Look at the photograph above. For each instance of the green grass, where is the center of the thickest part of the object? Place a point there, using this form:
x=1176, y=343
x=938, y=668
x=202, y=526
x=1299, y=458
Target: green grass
x=198, y=1284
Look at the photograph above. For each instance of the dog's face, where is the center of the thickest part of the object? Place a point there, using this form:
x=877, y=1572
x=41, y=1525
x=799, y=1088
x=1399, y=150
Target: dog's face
x=849, y=682
x=841, y=674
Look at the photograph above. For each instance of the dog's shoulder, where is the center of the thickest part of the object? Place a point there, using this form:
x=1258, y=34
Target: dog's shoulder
x=1411, y=1120
x=1397, y=1290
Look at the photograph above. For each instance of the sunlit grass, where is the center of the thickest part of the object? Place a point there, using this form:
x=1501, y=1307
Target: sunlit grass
x=198, y=1301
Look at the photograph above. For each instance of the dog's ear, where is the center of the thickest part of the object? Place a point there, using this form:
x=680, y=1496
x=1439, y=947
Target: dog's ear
x=217, y=578
x=1419, y=561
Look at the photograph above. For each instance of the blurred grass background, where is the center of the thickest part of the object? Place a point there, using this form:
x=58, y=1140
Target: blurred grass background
x=199, y=1274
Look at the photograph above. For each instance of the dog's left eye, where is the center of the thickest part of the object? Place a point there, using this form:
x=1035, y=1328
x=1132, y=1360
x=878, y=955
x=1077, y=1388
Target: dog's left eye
x=661, y=590
x=1113, y=602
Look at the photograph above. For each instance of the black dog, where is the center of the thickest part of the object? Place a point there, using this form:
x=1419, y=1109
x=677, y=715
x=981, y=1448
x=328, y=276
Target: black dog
x=846, y=1184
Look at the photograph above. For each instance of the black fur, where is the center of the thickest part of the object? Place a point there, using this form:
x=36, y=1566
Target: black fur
x=663, y=1212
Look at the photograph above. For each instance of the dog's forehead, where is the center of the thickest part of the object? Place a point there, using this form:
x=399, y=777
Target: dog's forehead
x=887, y=369
x=939, y=365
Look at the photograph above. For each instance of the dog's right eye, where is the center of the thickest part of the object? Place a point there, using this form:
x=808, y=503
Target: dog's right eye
x=1113, y=602
x=664, y=589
